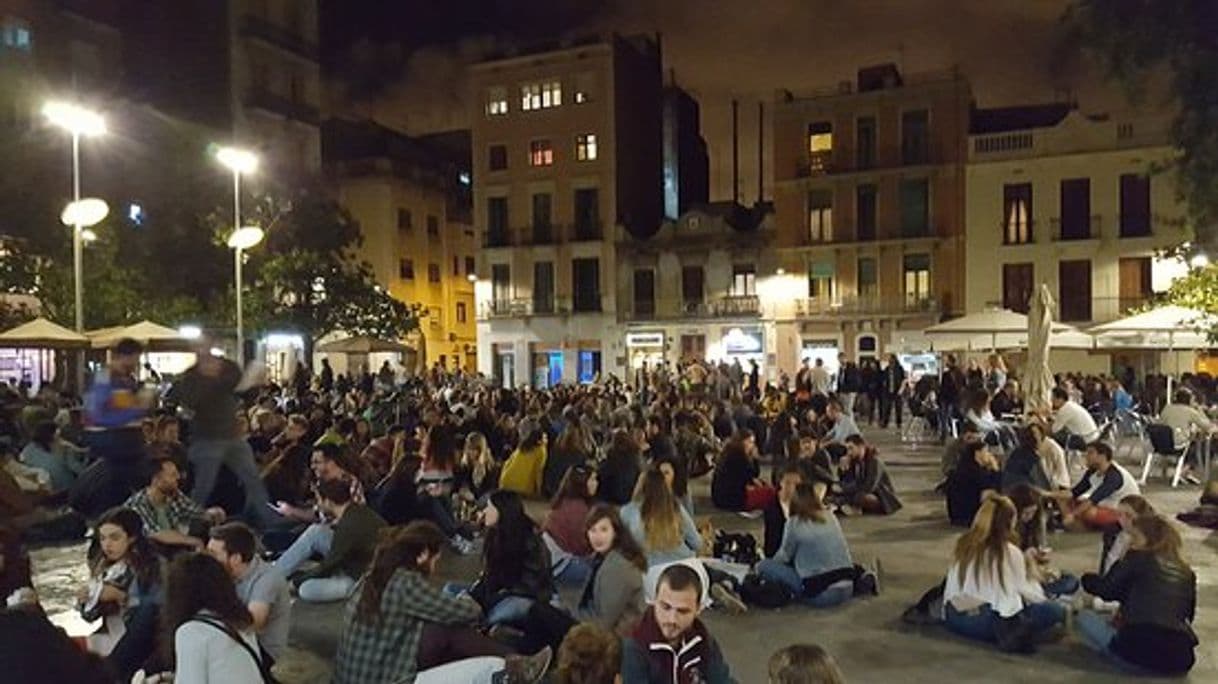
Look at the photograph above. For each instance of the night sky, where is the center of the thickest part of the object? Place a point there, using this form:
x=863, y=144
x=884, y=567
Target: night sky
x=405, y=58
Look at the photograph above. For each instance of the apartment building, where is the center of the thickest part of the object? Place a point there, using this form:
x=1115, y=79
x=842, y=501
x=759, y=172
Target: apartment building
x=869, y=212
x=567, y=154
x=411, y=198
x=1070, y=200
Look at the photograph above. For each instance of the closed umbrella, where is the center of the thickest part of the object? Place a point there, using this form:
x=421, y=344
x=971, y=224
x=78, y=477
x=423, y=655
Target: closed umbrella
x=1038, y=377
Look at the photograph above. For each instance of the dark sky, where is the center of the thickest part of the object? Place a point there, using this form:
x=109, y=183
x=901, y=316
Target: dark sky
x=1014, y=51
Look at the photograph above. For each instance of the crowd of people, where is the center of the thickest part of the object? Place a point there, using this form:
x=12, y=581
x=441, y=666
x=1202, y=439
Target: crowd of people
x=215, y=501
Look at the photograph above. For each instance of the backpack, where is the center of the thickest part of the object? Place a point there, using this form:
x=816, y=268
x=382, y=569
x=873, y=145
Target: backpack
x=736, y=547
x=764, y=593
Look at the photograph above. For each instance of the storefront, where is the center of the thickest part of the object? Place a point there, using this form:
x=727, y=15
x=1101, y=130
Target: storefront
x=740, y=343
x=644, y=348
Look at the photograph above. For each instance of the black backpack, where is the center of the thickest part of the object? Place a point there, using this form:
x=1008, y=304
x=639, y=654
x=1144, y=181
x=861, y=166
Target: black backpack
x=736, y=547
x=763, y=593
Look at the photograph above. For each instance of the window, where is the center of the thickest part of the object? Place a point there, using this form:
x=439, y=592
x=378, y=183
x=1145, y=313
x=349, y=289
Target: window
x=406, y=269
x=501, y=287
x=1016, y=213
x=543, y=287
x=864, y=154
x=585, y=273
x=585, y=147
x=540, y=95
x=1076, y=209
x=820, y=146
x=433, y=273
x=917, y=278
x=1074, y=289
x=820, y=280
x=692, y=286
x=868, y=280
x=644, y=292
x=15, y=34
x=497, y=157
x=588, y=366
x=496, y=101
x=405, y=220
x=433, y=226
x=587, y=214
x=456, y=266
x=470, y=267
x=820, y=216
x=542, y=229
x=864, y=207
x=461, y=314
x=1017, y=286
x=915, y=208
x=1135, y=282
x=496, y=221
x=1135, y=205
x=541, y=153
x=744, y=280
x=915, y=140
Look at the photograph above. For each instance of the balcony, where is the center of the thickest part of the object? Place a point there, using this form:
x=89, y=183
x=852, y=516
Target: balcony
x=1136, y=225
x=527, y=307
x=817, y=164
x=496, y=238
x=278, y=36
x=541, y=234
x=735, y=305
x=587, y=231
x=732, y=306
x=262, y=98
x=1060, y=232
x=878, y=305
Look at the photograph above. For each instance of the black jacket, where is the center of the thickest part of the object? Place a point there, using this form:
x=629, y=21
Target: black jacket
x=1158, y=602
x=775, y=521
x=964, y=488
x=729, y=481
x=617, y=475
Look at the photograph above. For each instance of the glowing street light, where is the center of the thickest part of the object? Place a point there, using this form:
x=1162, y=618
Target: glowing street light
x=1200, y=260
x=239, y=161
x=84, y=213
x=75, y=119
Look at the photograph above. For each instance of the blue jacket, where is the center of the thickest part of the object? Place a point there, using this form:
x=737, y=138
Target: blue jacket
x=111, y=401
x=814, y=548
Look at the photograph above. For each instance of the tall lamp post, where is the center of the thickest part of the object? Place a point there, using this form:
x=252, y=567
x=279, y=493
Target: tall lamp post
x=78, y=121
x=239, y=161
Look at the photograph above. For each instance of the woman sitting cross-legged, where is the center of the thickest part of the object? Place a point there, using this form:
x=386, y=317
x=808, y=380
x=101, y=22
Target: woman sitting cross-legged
x=813, y=560
x=515, y=562
x=1157, y=591
x=399, y=627
x=565, y=524
x=988, y=594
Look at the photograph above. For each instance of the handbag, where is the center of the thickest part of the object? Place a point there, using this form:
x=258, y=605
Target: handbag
x=263, y=662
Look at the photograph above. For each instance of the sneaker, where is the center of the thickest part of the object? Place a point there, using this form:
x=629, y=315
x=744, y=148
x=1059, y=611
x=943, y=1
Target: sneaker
x=919, y=618
x=728, y=599
x=867, y=585
x=524, y=669
x=751, y=515
x=463, y=546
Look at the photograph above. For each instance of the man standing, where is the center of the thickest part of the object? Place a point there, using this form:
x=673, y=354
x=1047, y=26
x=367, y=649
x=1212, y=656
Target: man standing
x=208, y=389
x=114, y=407
x=346, y=545
x=892, y=379
x=849, y=382
x=261, y=587
x=168, y=514
x=670, y=645
x=819, y=378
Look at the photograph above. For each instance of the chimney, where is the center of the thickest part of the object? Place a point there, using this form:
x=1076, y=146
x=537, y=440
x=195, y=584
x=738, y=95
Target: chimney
x=735, y=150
x=760, y=151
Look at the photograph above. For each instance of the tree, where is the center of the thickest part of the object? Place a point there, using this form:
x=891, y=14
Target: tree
x=1135, y=39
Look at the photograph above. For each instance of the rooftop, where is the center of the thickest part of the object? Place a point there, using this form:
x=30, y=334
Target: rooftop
x=1021, y=118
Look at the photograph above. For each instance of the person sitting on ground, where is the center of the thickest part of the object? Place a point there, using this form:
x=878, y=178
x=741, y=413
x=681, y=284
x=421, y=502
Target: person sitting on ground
x=813, y=546
x=661, y=527
x=589, y=655
x=434, y=481
x=777, y=513
x=1071, y=422
x=814, y=463
x=1092, y=503
x=572, y=448
x=563, y=530
x=522, y=473
x=287, y=475
x=736, y=484
x=1157, y=591
x=988, y=585
x=844, y=426
x=125, y=590
x=953, y=451
x=1031, y=530
x=676, y=474
x=1186, y=422
x=399, y=627
x=620, y=470
x=1117, y=541
x=979, y=414
x=1024, y=467
x=168, y=514
x=865, y=485
x=14, y=562
x=61, y=461
x=670, y=645
x=1052, y=456
x=212, y=631
x=327, y=462
x=804, y=664
x=516, y=567
x=262, y=588
x=975, y=475
x=478, y=471
x=345, y=545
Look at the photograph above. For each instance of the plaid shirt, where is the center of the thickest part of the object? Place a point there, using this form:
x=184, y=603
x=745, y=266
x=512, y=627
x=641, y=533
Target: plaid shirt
x=386, y=650
x=179, y=509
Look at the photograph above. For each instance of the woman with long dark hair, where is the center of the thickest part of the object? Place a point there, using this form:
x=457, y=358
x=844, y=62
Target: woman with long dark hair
x=399, y=627
x=515, y=561
x=564, y=525
x=620, y=470
x=210, y=628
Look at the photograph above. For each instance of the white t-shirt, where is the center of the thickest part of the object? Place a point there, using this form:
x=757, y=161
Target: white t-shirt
x=206, y=655
x=1183, y=419
x=1075, y=419
x=982, y=586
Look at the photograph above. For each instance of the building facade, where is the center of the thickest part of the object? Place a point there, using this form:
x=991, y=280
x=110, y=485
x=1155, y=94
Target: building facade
x=567, y=155
x=412, y=205
x=1071, y=201
x=869, y=212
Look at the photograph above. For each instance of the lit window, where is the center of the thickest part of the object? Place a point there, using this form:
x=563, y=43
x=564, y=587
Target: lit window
x=496, y=101
x=820, y=145
x=541, y=153
x=585, y=147
x=917, y=278
x=15, y=34
x=540, y=95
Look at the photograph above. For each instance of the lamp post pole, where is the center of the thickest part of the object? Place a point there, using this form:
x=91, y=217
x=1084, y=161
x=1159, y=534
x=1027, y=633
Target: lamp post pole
x=237, y=268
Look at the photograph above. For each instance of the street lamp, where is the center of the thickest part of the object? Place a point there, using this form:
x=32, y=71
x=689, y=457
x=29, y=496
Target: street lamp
x=239, y=161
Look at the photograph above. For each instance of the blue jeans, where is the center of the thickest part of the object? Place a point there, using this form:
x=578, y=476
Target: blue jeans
x=336, y=587
x=573, y=571
x=1097, y=631
x=981, y=624
x=1066, y=584
x=314, y=541
x=207, y=455
x=508, y=610
x=782, y=573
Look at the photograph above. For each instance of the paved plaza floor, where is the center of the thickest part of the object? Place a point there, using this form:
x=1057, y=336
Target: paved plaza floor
x=866, y=636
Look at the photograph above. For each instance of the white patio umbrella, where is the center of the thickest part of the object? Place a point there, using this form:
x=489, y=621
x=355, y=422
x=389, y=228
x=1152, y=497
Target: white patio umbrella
x=998, y=329
x=1038, y=377
x=1167, y=327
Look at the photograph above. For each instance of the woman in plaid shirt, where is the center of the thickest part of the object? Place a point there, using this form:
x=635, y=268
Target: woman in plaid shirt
x=401, y=628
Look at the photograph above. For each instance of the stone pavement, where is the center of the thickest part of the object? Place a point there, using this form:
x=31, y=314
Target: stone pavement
x=866, y=636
